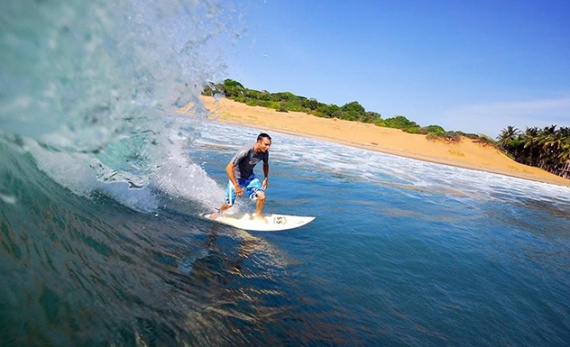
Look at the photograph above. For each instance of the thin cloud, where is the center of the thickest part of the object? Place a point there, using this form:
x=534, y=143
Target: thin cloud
x=491, y=118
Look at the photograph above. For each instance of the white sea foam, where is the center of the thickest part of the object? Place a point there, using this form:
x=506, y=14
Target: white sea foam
x=84, y=174
x=179, y=177
x=95, y=95
x=330, y=159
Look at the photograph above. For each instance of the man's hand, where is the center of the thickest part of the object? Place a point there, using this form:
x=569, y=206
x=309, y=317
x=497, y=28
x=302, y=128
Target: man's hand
x=239, y=191
x=264, y=185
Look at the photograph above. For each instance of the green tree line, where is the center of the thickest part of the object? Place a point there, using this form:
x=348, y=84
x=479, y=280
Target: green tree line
x=352, y=111
x=547, y=148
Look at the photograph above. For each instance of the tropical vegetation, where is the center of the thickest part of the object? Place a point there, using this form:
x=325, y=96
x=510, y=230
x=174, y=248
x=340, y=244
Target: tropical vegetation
x=547, y=148
x=352, y=111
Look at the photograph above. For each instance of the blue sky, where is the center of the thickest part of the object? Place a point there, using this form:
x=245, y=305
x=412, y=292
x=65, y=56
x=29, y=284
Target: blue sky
x=475, y=66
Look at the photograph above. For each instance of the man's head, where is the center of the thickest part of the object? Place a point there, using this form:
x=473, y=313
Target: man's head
x=263, y=142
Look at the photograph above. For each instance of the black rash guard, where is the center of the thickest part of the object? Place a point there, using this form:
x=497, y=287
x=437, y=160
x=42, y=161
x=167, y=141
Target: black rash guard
x=245, y=160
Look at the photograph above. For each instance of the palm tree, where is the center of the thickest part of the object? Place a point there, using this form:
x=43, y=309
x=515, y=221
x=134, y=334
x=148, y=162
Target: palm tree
x=507, y=136
x=548, y=148
x=530, y=139
x=563, y=143
x=548, y=142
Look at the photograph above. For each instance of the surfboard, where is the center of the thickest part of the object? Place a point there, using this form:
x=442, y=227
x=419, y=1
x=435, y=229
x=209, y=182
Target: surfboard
x=275, y=222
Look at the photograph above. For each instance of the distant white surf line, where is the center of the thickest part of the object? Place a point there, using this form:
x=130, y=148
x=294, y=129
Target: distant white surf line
x=328, y=158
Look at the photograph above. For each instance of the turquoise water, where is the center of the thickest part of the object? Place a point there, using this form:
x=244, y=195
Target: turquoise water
x=101, y=181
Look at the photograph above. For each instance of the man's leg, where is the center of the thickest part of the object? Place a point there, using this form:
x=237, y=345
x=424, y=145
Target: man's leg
x=224, y=207
x=259, y=204
x=230, y=199
x=255, y=192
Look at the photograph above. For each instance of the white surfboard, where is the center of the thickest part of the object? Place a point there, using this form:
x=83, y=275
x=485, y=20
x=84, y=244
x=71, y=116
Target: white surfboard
x=275, y=222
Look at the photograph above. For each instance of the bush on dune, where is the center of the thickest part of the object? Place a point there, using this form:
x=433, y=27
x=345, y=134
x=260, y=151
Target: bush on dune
x=548, y=148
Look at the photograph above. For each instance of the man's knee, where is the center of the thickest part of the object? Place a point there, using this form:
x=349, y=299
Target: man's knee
x=260, y=195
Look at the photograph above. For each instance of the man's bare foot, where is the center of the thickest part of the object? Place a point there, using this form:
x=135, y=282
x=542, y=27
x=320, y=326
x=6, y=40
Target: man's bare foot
x=214, y=215
x=261, y=218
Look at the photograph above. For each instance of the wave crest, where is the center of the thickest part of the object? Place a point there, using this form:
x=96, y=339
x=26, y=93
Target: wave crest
x=94, y=88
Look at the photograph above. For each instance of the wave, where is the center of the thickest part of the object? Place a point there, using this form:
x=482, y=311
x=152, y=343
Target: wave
x=80, y=270
x=93, y=91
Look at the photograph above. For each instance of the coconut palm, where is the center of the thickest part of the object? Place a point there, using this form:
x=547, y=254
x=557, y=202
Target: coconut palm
x=507, y=136
x=530, y=139
x=547, y=140
x=548, y=148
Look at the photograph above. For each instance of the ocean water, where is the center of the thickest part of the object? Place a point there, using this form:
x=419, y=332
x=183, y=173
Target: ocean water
x=101, y=180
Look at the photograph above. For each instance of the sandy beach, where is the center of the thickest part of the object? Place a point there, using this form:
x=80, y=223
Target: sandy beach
x=467, y=153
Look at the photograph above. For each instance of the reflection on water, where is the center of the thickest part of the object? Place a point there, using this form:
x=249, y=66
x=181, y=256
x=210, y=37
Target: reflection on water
x=128, y=279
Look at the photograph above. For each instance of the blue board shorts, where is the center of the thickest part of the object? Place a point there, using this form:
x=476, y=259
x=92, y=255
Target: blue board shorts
x=250, y=185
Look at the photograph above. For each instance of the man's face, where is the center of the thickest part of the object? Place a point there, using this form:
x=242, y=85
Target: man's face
x=263, y=144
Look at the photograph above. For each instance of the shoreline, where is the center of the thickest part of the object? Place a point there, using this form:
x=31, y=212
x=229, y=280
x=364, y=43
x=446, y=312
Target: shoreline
x=466, y=154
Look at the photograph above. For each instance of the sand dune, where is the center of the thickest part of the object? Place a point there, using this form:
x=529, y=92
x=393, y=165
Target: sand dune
x=467, y=153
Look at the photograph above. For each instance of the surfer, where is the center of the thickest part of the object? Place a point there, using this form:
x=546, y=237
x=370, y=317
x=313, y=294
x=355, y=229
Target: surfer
x=242, y=179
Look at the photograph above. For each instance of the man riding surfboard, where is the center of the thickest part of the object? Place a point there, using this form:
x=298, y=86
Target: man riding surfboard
x=243, y=179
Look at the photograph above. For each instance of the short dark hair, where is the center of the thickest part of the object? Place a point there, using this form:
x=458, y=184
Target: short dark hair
x=262, y=136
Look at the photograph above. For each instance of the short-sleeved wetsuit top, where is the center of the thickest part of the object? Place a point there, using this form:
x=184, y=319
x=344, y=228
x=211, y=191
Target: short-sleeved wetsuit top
x=245, y=160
